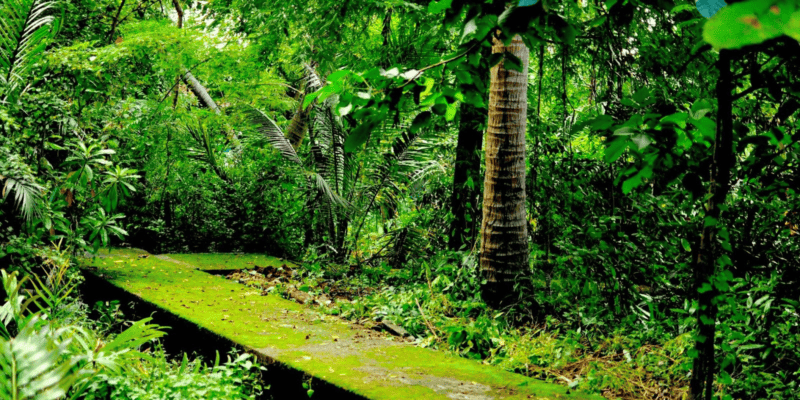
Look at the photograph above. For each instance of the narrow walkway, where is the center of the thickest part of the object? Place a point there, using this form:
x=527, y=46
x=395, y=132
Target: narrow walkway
x=348, y=356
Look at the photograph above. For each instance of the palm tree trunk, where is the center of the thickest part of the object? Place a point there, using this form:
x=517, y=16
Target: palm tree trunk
x=298, y=126
x=504, y=238
x=200, y=91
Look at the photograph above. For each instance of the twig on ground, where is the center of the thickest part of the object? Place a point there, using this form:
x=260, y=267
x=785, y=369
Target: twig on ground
x=427, y=323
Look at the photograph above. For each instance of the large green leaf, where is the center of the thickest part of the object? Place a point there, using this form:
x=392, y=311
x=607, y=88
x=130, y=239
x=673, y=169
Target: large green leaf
x=752, y=22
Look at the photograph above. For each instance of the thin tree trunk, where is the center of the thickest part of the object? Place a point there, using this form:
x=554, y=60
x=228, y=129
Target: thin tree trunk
x=504, y=238
x=387, y=27
x=115, y=22
x=704, y=365
x=179, y=11
x=466, y=177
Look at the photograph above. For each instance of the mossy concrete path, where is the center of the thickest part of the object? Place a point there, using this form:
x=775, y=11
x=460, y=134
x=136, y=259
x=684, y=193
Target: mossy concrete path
x=361, y=361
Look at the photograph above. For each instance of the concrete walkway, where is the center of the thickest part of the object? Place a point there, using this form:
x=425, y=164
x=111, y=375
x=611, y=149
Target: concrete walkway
x=367, y=363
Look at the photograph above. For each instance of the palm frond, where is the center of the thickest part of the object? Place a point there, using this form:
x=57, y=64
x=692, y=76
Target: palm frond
x=313, y=80
x=205, y=153
x=273, y=134
x=19, y=179
x=25, y=26
x=324, y=189
x=330, y=157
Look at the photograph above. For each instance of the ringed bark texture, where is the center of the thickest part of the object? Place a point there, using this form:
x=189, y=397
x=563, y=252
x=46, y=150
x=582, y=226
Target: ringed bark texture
x=504, y=238
x=200, y=91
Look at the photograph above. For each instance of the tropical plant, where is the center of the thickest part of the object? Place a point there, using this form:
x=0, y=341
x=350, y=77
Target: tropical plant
x=28, y=25
x=18, y=178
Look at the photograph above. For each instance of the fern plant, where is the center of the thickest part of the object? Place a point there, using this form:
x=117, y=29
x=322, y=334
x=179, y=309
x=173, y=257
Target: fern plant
x=43, y=361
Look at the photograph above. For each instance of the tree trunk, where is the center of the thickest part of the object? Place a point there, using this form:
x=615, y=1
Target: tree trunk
x=200, y=92
x=387, y=27
x=179, y=11
x=504, y=238
x=298, y=125
x=704, y=365
x=466, y=177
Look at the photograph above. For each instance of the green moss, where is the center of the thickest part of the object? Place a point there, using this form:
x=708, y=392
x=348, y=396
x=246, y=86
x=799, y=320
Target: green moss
x=322, y=346
x=217, y=261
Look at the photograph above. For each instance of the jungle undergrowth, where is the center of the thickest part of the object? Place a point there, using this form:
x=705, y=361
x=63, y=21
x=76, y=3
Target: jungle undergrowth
x=439, y=304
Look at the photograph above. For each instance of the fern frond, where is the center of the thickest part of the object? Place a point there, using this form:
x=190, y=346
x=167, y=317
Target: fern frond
x=32, y=366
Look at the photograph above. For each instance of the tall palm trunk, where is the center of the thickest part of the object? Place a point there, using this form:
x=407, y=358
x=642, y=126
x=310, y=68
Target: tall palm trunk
x=504, y=238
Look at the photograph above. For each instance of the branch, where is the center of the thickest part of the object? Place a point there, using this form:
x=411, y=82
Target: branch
x=419, y=72
x=116, y=21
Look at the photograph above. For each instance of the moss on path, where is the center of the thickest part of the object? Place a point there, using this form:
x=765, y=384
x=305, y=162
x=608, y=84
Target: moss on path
x=362, y=361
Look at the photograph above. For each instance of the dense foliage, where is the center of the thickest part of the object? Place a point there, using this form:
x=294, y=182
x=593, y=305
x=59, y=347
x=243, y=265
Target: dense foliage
x=660, y=208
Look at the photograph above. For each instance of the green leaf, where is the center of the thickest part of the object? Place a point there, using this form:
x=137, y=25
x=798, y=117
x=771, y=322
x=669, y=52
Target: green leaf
x=469, y=28
x=451, y=111
x=792, y=27
x=751, y=346
x=700, y=108
x=641, y=141
x=337, y=76
x=439, y=6
x=439, y=109
x=631, y=183
x=706, y=126
x=512, y=63
x=641, y=95
x=685, y=244
x=751, y=22
x=677, y=119
x=615, y=149
x=357, y=137
x=421, y=121
x=602, y=122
